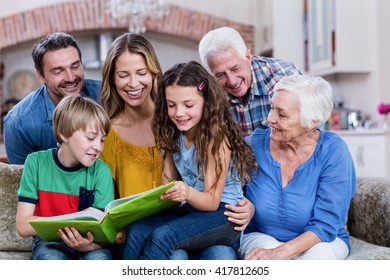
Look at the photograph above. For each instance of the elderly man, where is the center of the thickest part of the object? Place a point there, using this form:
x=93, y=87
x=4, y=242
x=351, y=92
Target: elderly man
x=248, y=79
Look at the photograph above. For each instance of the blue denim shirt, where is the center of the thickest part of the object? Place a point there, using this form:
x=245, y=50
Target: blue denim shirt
x=28, y=126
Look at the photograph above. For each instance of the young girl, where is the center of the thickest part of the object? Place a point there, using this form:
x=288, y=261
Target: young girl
x=205, y=152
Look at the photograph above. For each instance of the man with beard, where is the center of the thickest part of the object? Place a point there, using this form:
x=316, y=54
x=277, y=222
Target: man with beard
x=248, y=79
x=59, y=68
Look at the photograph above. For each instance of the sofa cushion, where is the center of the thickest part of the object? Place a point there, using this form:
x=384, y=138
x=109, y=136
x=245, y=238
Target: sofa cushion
x=368, y=217
x=9, y=184
x=362, y=250
x=12, y=255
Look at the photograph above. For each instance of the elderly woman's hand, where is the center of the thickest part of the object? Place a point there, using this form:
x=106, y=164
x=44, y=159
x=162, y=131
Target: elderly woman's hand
x=240, y=214
x=265, y=254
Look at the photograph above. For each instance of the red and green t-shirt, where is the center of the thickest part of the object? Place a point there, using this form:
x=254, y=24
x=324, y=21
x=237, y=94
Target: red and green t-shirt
x=56, y=189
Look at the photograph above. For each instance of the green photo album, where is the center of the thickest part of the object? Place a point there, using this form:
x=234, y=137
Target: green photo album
x=117, y=215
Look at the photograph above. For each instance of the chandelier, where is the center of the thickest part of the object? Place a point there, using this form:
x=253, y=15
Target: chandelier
x=139, y=10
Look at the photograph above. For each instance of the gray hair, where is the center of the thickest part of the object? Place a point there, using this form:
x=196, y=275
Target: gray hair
x=315, y=99
x=218, y=40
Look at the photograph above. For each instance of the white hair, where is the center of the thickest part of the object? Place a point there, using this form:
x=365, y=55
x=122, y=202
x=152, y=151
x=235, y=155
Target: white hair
x=315, y=99
x=218, y=40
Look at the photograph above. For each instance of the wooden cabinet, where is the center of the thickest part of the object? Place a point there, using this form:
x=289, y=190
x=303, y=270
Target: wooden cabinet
x=336, y=35
x=370, y=151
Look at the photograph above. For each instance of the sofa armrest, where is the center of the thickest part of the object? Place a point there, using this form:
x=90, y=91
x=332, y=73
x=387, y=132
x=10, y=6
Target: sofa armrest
x=369, y=213
x=10, y=241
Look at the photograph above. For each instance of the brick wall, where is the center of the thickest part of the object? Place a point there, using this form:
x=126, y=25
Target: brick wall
x=92, y=15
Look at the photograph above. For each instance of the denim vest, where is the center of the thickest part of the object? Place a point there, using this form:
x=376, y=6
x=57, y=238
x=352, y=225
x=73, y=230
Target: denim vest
x=28, y=126
x=185, y=162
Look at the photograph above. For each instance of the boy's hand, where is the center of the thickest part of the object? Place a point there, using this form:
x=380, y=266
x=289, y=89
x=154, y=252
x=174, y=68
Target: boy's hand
x=75, y=240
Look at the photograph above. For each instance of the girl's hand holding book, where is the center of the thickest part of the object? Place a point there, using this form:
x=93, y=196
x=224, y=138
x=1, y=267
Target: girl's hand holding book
x=179, y=192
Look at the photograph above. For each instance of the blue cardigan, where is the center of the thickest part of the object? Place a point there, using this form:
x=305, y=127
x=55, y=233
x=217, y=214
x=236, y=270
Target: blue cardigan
x=317, y=198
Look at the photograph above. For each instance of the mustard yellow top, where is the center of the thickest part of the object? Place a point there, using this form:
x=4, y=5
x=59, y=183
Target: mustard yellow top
x=134, y=168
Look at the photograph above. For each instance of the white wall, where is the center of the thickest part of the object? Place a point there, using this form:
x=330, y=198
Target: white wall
x=382, y=49
x=288, y=30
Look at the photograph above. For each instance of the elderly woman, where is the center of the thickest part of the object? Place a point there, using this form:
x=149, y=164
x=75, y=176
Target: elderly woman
x=306, y=181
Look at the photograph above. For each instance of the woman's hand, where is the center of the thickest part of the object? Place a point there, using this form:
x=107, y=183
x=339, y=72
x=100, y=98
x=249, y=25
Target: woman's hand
x=179, y=192
x=240, y=214
x=265, y=254
x=73, y=239
x=286, y=251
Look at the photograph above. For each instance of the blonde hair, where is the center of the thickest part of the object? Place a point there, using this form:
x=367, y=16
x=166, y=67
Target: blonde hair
x=76, y=112
x=132, y=43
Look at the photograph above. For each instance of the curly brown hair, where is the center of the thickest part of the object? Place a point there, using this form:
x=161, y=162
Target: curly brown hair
x=216, y=125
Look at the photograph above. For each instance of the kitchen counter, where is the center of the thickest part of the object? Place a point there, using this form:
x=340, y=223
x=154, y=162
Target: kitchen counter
x=370, y=150
x=362, y=132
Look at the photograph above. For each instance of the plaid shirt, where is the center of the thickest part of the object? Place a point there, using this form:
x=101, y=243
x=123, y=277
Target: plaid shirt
x=266, y=72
